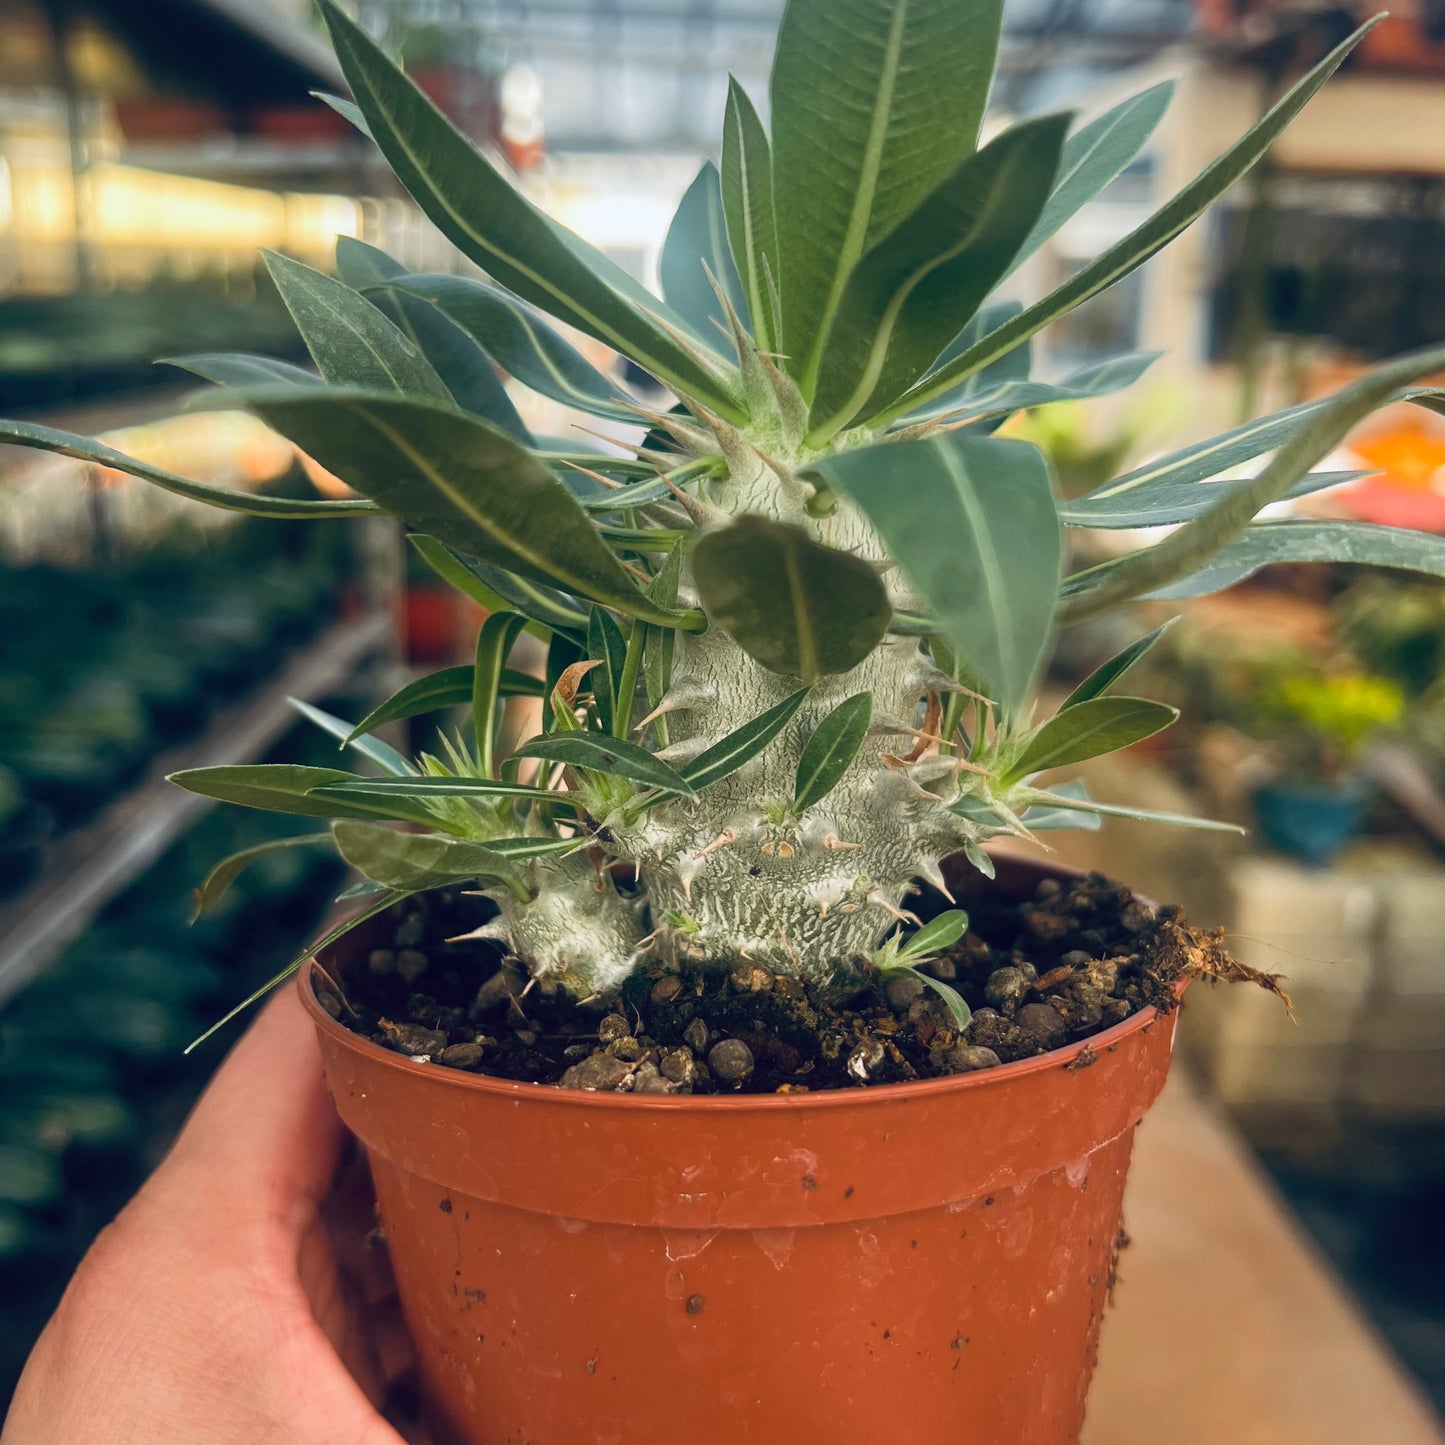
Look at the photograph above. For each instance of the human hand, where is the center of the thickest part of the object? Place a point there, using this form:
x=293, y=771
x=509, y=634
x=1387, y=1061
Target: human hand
x=219, y=1308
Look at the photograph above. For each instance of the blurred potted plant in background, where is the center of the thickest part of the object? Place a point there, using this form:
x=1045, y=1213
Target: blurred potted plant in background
x=1317, y=723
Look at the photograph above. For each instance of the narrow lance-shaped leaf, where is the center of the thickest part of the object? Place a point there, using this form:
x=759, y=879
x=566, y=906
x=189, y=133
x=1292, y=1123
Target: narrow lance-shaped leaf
x=1139, y=491
x=455, y=478
x=1346, y=543
x=521, y=343
x=84, y=449
x=1103, y=677
x=606, y=645
x=615, y=757
x=1042, y=797
x=798, y=607
x=350, y=341
x=481, y=212
x=447, y=687
x=903, y=301
x=743, y=744
x=433, y=787
x=1139, y=245
x=829, y=753
x=464, y=368
x=1166, y=502
x=1089, y=730
x=661, y=642
x=494, y=646
x=382, y=754
x=872, y=106
x=494, y=589
x=971, y=521
x=1098, y=378
x=420, y=860
x=696, y=249
x=747, y=194
x=1187, y=549
x=1011, y=366
x=937, y=935
x=218, y=881
x=239, y=368
x=1093, y=156
x=334, y=935
x=286, y=788
x=1041, y=818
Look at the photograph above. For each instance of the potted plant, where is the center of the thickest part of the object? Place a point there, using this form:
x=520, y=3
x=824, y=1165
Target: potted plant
x=811, y=1175
x=1318, y=723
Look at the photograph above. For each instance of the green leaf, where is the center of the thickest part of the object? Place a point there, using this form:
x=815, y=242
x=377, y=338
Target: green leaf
x=522, y=344
x=239, y=368
x=615, y=757
x=607, y=645
x=1347, y=543
x=1098, y=378
x=1044, y=819
x=957, y=1007
x=286, y=788
x=85, y=449
x=830, y=751
x=416, y=861
x=361, y=265
x=971, y=521
x=798, y=607
x=382, y=754
x=1166, y=477
x=447, y=687
x=467, y=371
x=873, y=106
x=350, y=341
x=1056, y=798
x=218, y=881
x=1107, y=674
x=455, y=478
x=1093, y=156
x=904, y=300
x=493, y=588
x=747, y=192
x=661, y=642
x=480, y=211
x=1165, y=502
x=1012, y=366
x=696, y=244
x=741, y=745
x=348, y=110
x=494, y=645
x=332, y=935
x=433, y=787
x=1225, y=520
x=1146, y=240
x=936, y=936
x=1089, y=730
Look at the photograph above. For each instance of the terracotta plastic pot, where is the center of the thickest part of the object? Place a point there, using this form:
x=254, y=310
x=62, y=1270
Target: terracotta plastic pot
x=919, y=1264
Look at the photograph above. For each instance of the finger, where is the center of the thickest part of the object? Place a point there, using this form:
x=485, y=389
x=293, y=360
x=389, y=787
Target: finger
x=265, y=1135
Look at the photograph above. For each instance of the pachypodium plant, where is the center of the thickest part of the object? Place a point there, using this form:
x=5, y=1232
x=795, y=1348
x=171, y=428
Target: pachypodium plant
x=793, y=641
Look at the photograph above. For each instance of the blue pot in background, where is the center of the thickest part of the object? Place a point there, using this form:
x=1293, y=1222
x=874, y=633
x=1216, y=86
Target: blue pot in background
x=1309, y=821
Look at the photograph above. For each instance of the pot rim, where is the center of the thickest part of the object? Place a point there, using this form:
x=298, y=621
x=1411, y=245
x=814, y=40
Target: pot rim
x=877, y=1096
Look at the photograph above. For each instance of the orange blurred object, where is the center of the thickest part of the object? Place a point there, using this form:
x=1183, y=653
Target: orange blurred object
x=1410, y=489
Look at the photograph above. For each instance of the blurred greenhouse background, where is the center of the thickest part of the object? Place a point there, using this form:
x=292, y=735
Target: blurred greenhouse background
x=148, y=149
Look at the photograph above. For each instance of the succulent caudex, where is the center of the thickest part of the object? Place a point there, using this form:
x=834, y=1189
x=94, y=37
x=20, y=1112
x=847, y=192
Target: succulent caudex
x=792, y=643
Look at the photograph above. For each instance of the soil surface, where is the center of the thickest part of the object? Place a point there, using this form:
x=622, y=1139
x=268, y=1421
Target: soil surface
x=1079, y=957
